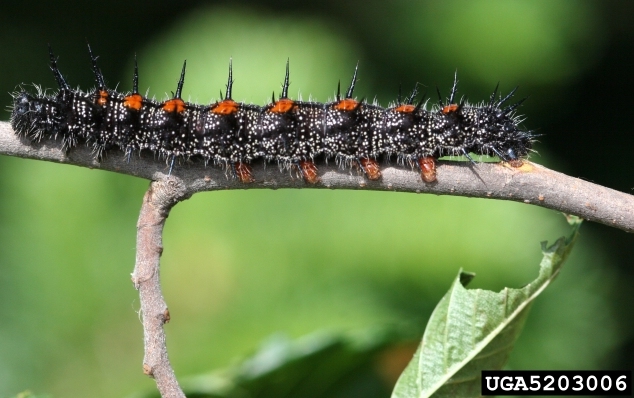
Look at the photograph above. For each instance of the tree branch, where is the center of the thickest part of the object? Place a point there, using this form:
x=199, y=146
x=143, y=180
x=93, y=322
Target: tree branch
x=531, y=183
x=157, y=203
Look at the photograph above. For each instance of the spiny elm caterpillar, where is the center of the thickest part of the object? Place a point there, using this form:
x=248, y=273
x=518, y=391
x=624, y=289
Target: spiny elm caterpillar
x=291, y=133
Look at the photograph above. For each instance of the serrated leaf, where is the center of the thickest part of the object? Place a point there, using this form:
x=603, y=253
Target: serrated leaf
x=474, y=330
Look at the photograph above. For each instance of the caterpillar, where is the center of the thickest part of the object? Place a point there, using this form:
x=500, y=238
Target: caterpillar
x=291, y=133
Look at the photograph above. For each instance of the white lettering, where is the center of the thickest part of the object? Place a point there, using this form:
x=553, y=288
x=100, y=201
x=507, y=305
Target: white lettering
x=506, y=383
x=488, y=381
x=520, y=383
x=535, y=380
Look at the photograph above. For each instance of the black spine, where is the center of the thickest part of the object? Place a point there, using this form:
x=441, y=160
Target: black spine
x=181, y=81
x=58, y=76
x=353, y=82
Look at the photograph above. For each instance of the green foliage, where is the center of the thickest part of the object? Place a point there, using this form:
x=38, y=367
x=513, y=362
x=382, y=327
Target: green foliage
x=475, y=330
x=29, y=394
x=321, y=365
x=469, y=331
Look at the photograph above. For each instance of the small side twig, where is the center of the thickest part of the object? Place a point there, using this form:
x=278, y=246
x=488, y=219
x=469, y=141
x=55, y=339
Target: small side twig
x=157, y=203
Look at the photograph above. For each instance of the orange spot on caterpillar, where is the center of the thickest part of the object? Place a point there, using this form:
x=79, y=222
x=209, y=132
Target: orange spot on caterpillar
x=309, y=171
x=516, y=163
x=174, y=105
x=103, y=97
x=244, y=172
x=282, y=106
x=134, y=101
x=347, y=105
x=226, y=107
x=371, y=168
x=449, y=108
x=427, y=168
x=405, y=108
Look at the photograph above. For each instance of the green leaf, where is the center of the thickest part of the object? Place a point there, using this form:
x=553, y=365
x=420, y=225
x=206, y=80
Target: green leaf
x=475, y=330
x=320, y=365
x=29, y=394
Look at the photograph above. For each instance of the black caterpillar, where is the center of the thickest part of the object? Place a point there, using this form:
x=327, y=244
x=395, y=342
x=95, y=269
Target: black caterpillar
x=292, y=133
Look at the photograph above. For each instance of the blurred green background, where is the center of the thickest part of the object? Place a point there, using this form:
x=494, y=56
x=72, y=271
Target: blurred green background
x=240, y=266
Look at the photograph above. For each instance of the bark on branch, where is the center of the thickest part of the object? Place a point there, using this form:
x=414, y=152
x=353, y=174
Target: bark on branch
x=157, y=203
x=531, y=183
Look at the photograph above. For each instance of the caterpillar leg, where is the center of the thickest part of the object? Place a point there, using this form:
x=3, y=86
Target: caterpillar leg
x=371, y=168
x=309, y=171
x=427, y=166
x=244, y=172
x=510, y=157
